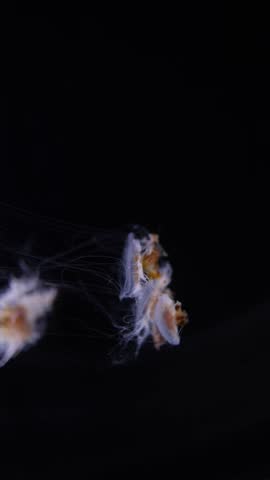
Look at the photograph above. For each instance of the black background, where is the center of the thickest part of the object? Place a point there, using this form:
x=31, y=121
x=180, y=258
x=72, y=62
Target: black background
x=162, y=120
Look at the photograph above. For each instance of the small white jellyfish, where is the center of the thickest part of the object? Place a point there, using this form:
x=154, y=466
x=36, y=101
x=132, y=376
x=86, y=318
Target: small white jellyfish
x=147, y=278
x=145, y=303
x=22, y=305
x=167, y=317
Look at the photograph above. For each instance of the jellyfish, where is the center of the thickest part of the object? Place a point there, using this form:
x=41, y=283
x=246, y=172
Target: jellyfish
x=147, y=276
x=23, y=304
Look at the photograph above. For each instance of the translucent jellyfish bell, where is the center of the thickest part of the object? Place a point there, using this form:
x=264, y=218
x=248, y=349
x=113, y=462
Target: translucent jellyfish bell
x=22, y=305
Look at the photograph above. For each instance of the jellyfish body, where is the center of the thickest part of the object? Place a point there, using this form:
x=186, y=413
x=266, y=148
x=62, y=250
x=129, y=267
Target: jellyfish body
x=132, y=268
x=164, y=318
x=22, y=305
x=156, y=314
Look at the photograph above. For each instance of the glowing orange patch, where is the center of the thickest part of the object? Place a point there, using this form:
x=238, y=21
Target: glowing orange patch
x=181, y=316
x=151, y=264
x=14, y=320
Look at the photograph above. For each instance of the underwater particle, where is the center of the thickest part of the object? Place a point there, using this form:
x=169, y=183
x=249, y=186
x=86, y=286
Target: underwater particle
x=22, y=305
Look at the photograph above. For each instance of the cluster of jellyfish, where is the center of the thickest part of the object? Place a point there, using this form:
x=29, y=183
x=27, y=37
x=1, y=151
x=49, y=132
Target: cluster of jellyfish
x=146, y=278
x=143, y=280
